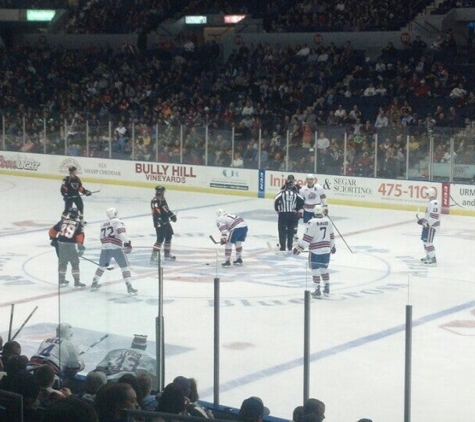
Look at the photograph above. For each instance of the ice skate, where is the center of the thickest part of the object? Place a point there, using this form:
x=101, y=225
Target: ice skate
x=64, y=283
x=95, y=285
x=79, y=284
x=317, y=293
x=426, y=258
x=226, y=264
x=431, y=261
x=326, y=290
x=131, y=290
x=170, y=257
x=238, y=261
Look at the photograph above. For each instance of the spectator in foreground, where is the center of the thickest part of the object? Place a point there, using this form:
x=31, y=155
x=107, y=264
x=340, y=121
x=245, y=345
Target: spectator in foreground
x=112, y=399
x=71, y=409
x=252, y=410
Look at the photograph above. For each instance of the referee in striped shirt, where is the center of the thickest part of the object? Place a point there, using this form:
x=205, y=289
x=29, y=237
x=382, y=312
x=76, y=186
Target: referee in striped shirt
x=287, y=203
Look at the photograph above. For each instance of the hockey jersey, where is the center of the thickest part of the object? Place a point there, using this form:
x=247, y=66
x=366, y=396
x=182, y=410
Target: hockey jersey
x=313, y=195
x=319, y=236
x=122, y=361
x=228, y=222
x=432, y=214
x=113, y=234
x=61, y=354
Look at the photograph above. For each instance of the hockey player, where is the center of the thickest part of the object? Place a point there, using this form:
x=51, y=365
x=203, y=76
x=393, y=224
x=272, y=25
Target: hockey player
x=430, y=224
x=133, y=360
x=115, y=244
x=233, y=230
x=65, y=235
x=320, y=240
x=287, y=203
x=162, y=216
x=312, y=194
x=71, y=189
x=60, y=353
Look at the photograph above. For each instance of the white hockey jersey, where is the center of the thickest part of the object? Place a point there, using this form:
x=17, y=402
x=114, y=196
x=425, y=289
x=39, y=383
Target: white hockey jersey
x=319, y=236
x=113, y=234
x=61, y=354
x=122, y=361
x=432, y=214
x=313, y=196
x=228, y=222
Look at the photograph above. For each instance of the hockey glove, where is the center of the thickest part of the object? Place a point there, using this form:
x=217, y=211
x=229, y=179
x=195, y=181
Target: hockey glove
x=297, y=250
x=223, y=240
x=81, y=249
x=87, y=192
x=173, y=218
x=54, y=242
x=158, y=223
x=128, y=247
x=422, y=222
x=333, y=250
x=300, y=214
x=325, y=210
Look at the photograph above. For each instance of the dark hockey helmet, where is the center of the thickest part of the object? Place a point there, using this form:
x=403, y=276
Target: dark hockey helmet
x=159, y=190
x=290, y=178
x=73, y=213
x=72, y=168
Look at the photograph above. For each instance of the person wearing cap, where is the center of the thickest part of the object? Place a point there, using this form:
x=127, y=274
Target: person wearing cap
x=252, y=410
x=71, y=190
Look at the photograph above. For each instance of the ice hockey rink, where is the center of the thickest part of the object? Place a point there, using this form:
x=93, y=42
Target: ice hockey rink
x=357, y=335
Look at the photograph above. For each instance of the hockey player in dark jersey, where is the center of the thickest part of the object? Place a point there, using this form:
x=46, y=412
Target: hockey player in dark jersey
x=65, y=235
x=71, y=189
x=162, y=218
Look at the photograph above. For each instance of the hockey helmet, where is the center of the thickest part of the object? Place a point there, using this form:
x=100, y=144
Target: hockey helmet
x=73, y=213
x=139, y=342
x=72, y=169
x=111, y=212
x=159, y=190
x=290, y=178
x=431, y=193
x=220, y=212
x=64, y=331
x=318, y=210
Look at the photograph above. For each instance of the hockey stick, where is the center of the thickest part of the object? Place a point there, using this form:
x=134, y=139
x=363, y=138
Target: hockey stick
x=213, y=240
x=22, y=325
x=94, y=344
x=11, y=322
x=338, y=231
x=95, y=191
x=108, y=268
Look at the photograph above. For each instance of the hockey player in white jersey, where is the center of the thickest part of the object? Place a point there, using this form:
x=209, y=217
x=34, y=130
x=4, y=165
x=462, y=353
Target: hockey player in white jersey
x=313, y=194
x=115, y=244
x=430, y=224
x=319, y=237
x=233, y=230
x=131, y=360
x=60, y=353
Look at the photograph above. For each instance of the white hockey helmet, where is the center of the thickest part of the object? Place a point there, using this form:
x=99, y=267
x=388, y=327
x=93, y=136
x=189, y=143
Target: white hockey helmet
x=64, y=331
x=431, y=193
x=111, y=212
x=220, y=212
x=318, y=210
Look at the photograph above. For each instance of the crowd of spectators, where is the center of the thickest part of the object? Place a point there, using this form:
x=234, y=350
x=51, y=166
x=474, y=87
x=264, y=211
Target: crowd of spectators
x=47, y=398
x=266, y=94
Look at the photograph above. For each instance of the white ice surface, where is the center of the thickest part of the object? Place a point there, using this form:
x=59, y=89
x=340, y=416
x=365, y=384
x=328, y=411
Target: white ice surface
x=357, y=338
